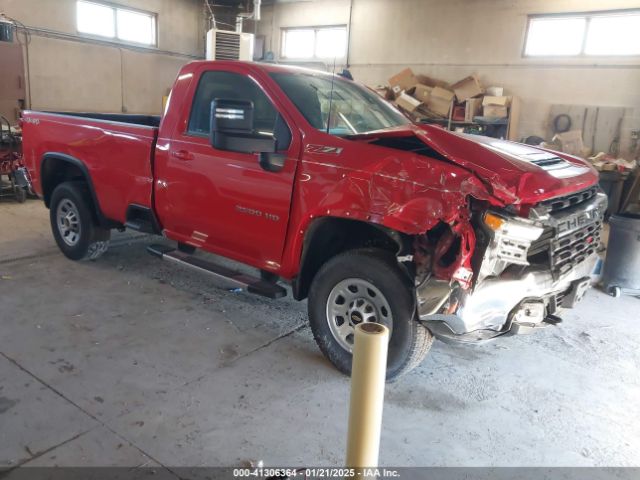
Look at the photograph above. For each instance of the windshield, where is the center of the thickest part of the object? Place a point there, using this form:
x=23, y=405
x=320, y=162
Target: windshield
x=349, y=110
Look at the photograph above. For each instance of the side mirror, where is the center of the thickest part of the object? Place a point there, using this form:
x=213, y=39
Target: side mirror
x=232, y=128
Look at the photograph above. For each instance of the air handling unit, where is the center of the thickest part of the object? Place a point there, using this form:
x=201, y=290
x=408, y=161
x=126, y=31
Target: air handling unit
x=6, y=29
x=228, y=45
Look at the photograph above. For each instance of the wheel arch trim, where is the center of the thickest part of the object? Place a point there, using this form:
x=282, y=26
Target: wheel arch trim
x=318, y=229
x=47, y=190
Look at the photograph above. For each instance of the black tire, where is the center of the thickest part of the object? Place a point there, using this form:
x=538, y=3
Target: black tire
x=410, y=341
x=91, y=241
x=21, y=194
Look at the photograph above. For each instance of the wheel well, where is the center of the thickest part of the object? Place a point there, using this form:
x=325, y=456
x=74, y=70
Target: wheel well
x=56, y=169
x=327, y=237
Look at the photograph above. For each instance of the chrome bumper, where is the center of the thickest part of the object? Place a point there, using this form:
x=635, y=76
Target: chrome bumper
x=519, y=299
x=497, y=306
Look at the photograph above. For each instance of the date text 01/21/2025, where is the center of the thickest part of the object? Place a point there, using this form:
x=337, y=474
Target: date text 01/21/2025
x=313, y=473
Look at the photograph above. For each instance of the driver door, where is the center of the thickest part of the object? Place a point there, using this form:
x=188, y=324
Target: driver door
x=223, y=201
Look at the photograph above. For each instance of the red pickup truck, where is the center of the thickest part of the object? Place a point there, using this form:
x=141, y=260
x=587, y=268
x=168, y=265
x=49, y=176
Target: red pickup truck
x=314, y=180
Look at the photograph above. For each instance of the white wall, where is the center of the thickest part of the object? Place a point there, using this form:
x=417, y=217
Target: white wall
x=453, y=38
x=70, y=72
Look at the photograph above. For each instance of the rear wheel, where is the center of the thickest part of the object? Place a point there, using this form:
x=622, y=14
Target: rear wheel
x=74, y=228
x=362, y=286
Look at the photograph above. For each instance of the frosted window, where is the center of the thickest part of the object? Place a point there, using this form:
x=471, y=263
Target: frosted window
x=116, y=23
x=318, y=43
x=614, y=35
x=96, y=19
x=555, y=36
x=584, y=34
x=136, y=27
x=331, y=42
x=298, y=43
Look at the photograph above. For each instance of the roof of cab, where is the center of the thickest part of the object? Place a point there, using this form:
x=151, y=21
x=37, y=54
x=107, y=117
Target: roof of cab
x=266, y=67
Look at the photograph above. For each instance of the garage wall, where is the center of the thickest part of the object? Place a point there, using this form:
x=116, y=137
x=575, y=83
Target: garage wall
x=451, y=39
x=70, y=72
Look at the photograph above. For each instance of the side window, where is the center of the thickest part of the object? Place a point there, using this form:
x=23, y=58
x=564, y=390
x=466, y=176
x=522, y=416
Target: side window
x=232, y=86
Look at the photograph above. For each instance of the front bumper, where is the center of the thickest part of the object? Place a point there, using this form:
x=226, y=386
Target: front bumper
x=499, y=305
x=519, y=299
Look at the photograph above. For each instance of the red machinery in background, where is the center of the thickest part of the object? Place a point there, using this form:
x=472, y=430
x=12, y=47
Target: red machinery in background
x=14, y=40
x=11, y=161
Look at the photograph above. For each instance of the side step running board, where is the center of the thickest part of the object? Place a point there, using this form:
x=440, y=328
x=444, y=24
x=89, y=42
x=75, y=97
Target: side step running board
x=140, y=226
x=251, y=284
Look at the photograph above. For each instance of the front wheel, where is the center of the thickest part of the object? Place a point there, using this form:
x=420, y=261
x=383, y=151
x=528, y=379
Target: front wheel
x=76, y=232
x=361, y=286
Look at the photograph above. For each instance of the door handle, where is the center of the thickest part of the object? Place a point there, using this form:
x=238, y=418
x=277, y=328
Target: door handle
x=182, y=155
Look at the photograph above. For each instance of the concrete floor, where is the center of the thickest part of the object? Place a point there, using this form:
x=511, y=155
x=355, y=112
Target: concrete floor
x=130, y=361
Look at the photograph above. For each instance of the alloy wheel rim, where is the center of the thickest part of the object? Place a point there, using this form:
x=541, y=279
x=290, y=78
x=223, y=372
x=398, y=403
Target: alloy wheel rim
x=68, y=222
x=351, y=302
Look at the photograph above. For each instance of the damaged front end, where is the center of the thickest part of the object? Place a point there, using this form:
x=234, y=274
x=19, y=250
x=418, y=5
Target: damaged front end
x=495, y=273
x=503, y=234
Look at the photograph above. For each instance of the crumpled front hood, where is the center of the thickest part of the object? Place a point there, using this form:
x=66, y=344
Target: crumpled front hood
x=514, y=173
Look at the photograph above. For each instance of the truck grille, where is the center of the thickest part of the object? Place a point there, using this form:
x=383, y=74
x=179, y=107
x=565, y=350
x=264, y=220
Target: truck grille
x=572, y=249
x=563, y=251
x=560, y=203
x=541, y=245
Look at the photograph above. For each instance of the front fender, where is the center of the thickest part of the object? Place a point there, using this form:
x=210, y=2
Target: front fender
x=384, y=194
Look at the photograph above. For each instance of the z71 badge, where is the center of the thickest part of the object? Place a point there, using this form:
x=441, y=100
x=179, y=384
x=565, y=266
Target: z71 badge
x=324, y=149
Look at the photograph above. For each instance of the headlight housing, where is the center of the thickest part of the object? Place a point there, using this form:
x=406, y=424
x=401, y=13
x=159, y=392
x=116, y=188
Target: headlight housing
x=511, y=238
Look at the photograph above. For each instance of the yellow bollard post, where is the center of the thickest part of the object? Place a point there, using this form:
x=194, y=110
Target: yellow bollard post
x=368, y=374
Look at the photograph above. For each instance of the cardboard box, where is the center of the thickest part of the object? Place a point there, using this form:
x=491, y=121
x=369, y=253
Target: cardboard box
x=458, y=113
x=495, y=111
x=499, y=101
x=408, y=103
x=495, y=91
x=472, y=108
x=403, y=81
x=513, y=128
x=384, y=92
x=440, y=101
x=468, y=87
x=432, y=82
x=422, y=92
x=570, y=142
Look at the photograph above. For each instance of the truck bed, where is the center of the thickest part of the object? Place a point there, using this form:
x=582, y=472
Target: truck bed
x=116, y=149
x=136, y=119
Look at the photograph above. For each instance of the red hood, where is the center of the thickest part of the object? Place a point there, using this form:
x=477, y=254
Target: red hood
x=514, y=172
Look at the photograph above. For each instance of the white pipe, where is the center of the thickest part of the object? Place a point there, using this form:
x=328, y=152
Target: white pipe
x=256, y=10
